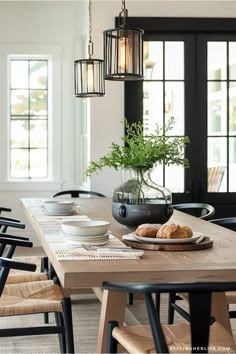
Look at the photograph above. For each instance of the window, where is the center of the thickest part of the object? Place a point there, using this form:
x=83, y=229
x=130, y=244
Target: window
x=189, y=68
x=29, y=118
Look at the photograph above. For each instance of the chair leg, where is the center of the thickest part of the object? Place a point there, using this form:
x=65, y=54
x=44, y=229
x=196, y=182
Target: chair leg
x=111, y=341
x=61, y=336
x=67, y=316
x=158, y=302
x=130, y=298
x=171, y=300
x=46, y=317
x=44, y=264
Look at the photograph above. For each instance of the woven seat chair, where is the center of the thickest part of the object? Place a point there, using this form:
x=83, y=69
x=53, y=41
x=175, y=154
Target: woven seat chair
x=201, y=333
x=34, y=298
x=19, y=276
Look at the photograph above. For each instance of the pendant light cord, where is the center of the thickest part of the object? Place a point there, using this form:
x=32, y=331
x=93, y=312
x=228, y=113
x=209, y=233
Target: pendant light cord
x=123, y=14
x=90, y=44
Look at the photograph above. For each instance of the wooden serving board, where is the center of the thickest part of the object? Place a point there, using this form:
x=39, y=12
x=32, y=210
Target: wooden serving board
x=206, y=243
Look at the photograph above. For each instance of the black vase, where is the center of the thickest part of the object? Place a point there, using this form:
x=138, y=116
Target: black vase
x=139, y=200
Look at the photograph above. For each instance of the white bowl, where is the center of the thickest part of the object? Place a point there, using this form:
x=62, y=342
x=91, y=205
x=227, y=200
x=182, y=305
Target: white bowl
x=85, y=228
x=58, y=205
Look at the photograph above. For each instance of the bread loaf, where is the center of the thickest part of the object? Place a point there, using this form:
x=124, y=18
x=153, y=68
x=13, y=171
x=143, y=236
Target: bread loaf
x=147, y=230
x=174, y=231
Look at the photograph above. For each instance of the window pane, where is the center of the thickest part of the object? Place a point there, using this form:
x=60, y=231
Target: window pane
x=19, y=163
x=217, y=108
x=174, y=106
x=216, y=60
x=232, y=60
x=38, y=102
x=38, y=163
x=232, y=164
x=232, y=108
x=174, y=178
x=19, y=74
x=174, y=60
x=157, y=175
x=38, y=74
x=153, y=60
x=38, y=134
x=19, y=102
x=152, y=105
x=217, y=158
x=29, y=119
x=19, y=134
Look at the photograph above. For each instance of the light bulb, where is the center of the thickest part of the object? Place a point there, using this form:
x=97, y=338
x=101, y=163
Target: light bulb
x=123, y=54
x=90, y=77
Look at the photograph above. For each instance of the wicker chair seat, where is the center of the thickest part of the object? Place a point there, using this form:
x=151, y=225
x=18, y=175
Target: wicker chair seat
x=32, y=297
x=138, y=339
x=20, y=276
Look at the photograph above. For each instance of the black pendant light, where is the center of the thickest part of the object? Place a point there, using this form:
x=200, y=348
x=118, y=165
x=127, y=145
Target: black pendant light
x=89, y=73
x=123, y=51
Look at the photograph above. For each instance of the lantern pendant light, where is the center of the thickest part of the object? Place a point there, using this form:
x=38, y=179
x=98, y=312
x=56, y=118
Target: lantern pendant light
x=89, y=73
x=123, y=51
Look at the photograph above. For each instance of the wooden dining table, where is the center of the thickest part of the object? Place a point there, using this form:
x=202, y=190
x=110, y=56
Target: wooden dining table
x=213, y=264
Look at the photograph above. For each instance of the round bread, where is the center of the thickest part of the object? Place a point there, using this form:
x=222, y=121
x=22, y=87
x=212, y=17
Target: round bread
x=171, y=231
x=147, y=230
x=188, y=230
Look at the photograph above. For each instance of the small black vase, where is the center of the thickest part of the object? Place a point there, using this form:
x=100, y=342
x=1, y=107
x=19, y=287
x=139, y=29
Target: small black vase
x=139, y=200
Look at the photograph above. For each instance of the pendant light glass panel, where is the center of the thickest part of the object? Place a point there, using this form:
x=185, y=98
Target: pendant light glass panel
x=123, y=54
x=89, y=81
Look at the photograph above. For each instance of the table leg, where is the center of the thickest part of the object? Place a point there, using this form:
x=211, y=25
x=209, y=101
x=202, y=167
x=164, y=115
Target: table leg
x=219, y=310
x=113, y=308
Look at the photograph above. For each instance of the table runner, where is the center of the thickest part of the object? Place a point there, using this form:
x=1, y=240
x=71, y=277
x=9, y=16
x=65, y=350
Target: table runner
x=51, y=229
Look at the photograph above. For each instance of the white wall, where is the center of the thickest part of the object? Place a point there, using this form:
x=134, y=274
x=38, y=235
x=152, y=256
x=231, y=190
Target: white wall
x=49, y=23
x=106, y=112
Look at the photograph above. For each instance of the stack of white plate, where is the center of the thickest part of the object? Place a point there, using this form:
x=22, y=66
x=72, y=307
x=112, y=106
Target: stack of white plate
x=87, y=232
x=58, y=207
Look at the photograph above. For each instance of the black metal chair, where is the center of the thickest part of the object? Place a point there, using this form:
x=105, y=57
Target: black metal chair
x=228, y=223
x=200, y=210
x=201, y=334
x=34, y=298
x=77, y=193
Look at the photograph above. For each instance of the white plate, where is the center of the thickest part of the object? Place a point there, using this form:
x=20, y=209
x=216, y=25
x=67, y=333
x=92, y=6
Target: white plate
x=85, y=228
x=87, y=237
x=169, y=241
x=59, y=213
x=94, y=243
x=58, y=205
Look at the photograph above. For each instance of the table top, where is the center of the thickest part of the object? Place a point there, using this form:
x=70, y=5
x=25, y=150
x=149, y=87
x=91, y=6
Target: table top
x=215, y=264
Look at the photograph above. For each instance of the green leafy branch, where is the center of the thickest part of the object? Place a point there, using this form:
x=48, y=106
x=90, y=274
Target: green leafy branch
x=141, y=150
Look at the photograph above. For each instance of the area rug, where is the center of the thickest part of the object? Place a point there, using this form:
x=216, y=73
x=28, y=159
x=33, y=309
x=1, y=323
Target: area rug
x=86, y=313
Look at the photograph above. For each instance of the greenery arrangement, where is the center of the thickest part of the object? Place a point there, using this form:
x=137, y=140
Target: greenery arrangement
x=144, y=151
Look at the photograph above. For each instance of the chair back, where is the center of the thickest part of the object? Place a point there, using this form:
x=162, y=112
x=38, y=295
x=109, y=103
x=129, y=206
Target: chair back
x=199, y=293
x=228, y=223
x=77, y=193
x=200, y=210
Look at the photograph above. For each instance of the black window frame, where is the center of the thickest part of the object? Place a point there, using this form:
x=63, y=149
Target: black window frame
x=187, y=27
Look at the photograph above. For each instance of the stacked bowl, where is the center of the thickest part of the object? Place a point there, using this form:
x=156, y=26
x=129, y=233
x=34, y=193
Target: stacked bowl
x=89, y=232
x=58, y=207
